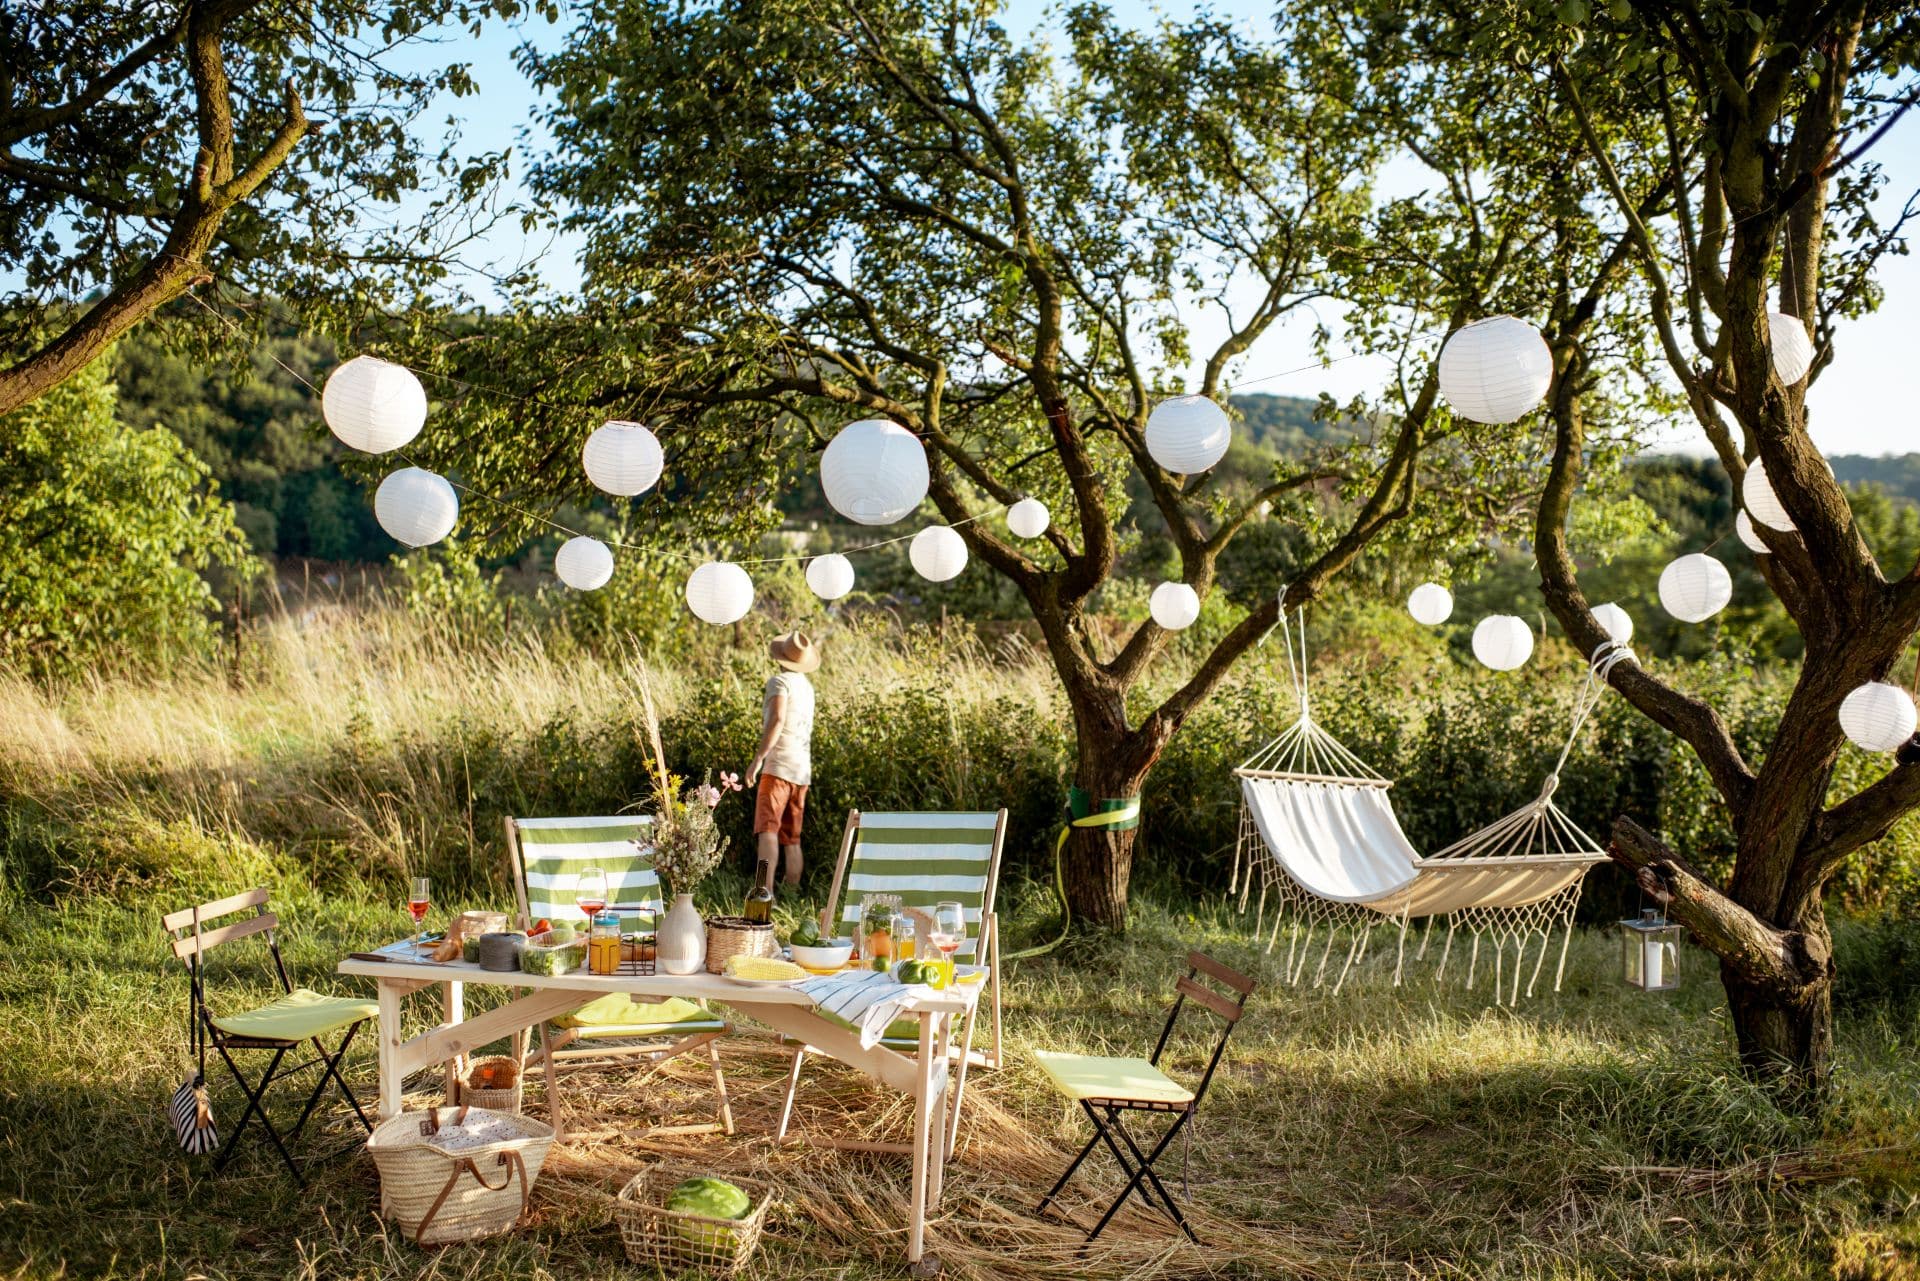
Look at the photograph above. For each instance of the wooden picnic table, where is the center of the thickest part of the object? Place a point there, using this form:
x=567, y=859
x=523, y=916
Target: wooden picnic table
x=923, y=1075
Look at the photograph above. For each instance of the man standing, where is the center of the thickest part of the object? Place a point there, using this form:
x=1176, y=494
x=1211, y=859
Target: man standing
x=783, y=767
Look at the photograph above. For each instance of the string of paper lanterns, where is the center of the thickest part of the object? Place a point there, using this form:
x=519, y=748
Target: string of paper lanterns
x=938, y=553
x=1431, y=604
x=1495, y=370
x=584, y=564
x=1878, y=717
x=1792, y=349
x=1175, y=606
x=417, y=507
x=1502, y=642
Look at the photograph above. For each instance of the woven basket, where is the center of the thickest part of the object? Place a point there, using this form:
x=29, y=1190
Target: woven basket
x=439, y=1195
x=729, y=936
x=668, y=1239
x=493, y=1100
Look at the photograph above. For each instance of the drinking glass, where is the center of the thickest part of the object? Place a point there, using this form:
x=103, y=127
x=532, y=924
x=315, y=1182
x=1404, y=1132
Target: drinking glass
x=590, y=891
x=418, y=900
x=949, y=931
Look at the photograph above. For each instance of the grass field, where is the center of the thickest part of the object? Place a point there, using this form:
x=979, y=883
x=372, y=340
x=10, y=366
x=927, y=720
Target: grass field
x=1374, y=1133
x=1378, y=1132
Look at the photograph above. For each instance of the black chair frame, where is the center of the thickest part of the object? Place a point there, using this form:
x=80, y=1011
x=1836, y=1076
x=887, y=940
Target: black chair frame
x=191, y=941
x=1106, y=1114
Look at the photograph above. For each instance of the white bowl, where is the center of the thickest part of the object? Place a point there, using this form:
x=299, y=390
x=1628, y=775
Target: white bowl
x=831, y=957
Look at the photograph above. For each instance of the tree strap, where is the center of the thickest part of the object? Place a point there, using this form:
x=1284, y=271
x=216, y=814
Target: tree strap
x=514, y=1166
x=1117, y=813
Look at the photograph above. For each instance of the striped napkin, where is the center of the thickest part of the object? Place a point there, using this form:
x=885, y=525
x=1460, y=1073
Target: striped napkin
x=867, y=999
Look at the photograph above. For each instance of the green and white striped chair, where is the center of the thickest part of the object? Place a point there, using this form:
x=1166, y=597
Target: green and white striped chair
x=548, y=855
x=924, y=859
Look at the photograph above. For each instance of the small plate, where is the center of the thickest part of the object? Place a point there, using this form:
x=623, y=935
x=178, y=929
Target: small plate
x=969, y=973
x=764, y=982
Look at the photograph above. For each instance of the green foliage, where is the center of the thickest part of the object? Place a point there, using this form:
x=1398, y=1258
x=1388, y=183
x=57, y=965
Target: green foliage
x=105, y=533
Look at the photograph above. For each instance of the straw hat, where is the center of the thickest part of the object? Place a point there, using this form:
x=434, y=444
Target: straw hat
x=794, y=651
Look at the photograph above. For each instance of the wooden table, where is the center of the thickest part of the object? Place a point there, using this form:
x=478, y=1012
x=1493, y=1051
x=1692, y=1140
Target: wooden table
x=787, y=1010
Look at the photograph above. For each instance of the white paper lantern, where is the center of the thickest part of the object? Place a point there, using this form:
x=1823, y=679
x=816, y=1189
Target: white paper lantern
x=1743, y=526
x=1431, y=604
x=1878, y=716
x=1792, y=349
x=1695, y=587
x=416, y=506
x=1615, y=622
x=1188, y=434
x=874, y=472
x=623, y=459
x=584, y=564
x=1502, y=642
x=1495, y=370
x=1174, y=606
x=373, y=405
x=938, y=553
x=719, y=592
x=1757, y=492
x=1027, y=518
x=830, y=576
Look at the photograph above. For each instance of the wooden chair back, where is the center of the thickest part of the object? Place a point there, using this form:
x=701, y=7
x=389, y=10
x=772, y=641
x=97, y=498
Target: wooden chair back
x=1229, y=1008
x=193, y=932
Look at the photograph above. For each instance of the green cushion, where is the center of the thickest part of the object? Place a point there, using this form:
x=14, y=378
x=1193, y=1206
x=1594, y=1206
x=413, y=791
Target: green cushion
x=1087, y=1076
x=621, y=1015
x=296, y=1016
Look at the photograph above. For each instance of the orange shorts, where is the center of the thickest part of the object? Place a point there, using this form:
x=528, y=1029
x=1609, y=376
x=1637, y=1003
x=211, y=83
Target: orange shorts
x=779, y=807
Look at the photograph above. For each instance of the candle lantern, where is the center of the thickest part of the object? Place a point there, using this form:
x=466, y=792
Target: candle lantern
x=1650, y=952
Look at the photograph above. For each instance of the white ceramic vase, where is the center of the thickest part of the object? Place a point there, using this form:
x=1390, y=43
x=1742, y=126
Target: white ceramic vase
x=680, y=944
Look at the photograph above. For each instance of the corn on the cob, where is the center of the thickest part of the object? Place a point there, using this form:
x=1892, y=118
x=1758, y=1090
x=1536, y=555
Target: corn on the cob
x=762, y=967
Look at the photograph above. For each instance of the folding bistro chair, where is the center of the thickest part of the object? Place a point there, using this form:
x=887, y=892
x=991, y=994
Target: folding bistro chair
x=1106, y=1087
x=548, y=855
x=281, y=1026
x=923, y=859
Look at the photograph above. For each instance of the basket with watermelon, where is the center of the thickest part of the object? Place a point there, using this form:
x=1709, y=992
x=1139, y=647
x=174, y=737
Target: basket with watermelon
x=675, y=1215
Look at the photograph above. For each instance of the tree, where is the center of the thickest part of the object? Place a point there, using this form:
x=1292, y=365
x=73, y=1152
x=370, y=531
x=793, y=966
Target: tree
x=106, y=534
x=1728, y=146
x=149, y=147
x=797, y=214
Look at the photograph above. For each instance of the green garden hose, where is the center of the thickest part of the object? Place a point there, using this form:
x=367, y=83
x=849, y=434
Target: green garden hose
x=1118, y=813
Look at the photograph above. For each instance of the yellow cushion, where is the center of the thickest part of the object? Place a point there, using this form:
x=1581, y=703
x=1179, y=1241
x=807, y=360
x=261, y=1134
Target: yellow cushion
x=1087, y=1076
x=298, y=1015
x=621, y=1015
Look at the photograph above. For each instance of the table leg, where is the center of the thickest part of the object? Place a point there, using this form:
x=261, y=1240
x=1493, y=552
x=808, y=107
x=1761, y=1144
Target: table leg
x=456, y=1008
x=389, y=1048
x=922, y=1141
x=944, y=1100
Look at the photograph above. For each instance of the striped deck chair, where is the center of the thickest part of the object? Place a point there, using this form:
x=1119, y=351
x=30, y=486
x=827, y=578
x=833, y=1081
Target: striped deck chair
x=548, y=855
x=924, y=859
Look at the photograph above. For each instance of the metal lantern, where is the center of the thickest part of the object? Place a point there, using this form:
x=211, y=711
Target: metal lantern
x=623, y=459
x=874, y=472
x=1188, y=434
x=1495, y=370
x=938, y=553
x=373, y=405
x=415, y=506
x=1792, y=349
x=1695, y=587
x=1430, y=604
x=1650, y=951
x=830, y=576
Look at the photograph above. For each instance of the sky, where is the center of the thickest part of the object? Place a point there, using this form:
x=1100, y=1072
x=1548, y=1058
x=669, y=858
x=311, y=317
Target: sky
x=1859, y=405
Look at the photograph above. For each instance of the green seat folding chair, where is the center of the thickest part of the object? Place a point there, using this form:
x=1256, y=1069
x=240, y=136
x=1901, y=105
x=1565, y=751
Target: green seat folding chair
x=1107, y=1087
x=922, y=859
x=282, y=1026
x=548, y=855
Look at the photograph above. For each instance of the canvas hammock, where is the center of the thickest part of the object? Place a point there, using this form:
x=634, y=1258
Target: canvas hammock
x=1317, y=829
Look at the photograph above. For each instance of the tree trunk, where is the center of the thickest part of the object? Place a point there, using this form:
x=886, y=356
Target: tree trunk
x=1784, y=1041
x=1097, y=863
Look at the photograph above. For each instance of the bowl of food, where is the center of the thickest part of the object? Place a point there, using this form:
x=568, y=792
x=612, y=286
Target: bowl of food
x=830, y=954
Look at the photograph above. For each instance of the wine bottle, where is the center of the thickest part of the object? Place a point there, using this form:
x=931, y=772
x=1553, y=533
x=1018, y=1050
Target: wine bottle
x=758, y=906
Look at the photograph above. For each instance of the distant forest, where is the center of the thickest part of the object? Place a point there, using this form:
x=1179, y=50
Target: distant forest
x=260, y=434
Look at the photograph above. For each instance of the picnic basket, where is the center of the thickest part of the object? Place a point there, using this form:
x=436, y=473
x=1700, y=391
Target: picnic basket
x=670, y=1239
x=505, y=1098
x=730, y=936
x=440, y=1188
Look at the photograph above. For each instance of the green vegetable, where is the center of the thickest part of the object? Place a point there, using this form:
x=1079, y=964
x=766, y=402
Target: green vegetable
x=913, y=972
x=807, y=934
x=713, y=1199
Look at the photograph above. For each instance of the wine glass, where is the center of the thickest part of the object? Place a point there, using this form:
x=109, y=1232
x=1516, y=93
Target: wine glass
x=949, y=930
x=590, y=891
x=418, y=901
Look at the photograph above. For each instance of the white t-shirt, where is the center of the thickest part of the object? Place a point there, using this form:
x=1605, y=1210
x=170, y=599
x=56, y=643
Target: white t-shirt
x=791, y=757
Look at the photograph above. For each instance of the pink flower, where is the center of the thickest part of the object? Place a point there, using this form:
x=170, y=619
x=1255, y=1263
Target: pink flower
x=730, y=781
x=709, y=795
